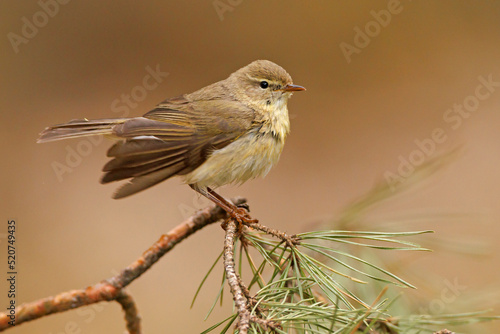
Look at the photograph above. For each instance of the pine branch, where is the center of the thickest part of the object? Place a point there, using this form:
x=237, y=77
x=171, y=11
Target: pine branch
x=112, y=289
x=233, y=280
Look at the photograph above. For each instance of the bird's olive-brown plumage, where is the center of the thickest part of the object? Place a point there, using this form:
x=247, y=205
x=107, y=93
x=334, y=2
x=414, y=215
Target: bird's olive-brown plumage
x=227, y=132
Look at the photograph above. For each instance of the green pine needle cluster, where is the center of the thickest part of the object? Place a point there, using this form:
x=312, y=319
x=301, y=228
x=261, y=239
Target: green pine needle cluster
x=337, y=281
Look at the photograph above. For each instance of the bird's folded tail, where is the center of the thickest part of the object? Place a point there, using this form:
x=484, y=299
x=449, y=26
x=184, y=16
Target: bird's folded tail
x=79, y=128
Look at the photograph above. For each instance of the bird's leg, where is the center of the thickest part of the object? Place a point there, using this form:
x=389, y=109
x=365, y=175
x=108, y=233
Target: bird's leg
x=243, y=218
x=240, y=214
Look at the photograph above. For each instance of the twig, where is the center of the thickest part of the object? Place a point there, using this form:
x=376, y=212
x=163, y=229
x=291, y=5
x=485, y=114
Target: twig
x=232, y=277
x=112, y=289
x=132, y=317
x=290, y=240
x=241, y=294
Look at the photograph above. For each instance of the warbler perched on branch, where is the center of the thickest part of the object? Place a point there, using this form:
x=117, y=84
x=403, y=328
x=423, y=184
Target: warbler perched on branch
x=228, y=132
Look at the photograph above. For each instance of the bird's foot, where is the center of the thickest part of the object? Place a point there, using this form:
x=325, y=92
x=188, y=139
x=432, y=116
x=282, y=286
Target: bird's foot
x=244, y=206
x=240, y=214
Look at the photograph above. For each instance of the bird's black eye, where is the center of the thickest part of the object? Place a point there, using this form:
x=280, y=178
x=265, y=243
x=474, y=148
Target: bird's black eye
x=264, y=84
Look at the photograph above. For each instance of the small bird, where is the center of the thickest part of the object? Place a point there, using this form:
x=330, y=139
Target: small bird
x=228, y=132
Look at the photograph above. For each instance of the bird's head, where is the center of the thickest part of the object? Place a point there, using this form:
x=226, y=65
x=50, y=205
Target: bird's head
x=263, y=84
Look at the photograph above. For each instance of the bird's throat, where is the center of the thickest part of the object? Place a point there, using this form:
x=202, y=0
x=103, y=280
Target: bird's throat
x=275, y=119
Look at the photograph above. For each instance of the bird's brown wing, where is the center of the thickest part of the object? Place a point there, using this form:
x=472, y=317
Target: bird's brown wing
x=173, y=139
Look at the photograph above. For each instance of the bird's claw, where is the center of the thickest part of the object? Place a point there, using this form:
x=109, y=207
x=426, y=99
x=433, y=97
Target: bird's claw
x=241, y=215
x=244, y=206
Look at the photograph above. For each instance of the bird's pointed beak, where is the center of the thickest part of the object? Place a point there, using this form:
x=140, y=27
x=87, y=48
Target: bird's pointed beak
x=293, y=88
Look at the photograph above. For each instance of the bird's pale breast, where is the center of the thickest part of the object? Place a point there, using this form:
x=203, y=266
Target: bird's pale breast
x=250, y=156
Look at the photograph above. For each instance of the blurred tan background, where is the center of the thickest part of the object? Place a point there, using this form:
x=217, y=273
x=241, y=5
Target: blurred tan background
x=352, y=126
